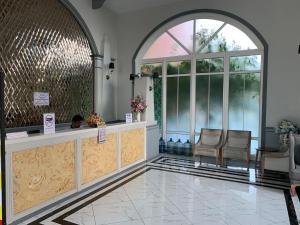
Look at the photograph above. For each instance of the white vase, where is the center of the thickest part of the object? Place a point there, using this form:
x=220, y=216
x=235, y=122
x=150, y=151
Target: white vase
x=284, y=139
x=138, y=117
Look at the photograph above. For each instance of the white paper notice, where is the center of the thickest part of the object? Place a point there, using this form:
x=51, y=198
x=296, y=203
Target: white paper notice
x=49, y=123
x=16, y=135
x=101, y=135
x=128, y=117
x=40, y=98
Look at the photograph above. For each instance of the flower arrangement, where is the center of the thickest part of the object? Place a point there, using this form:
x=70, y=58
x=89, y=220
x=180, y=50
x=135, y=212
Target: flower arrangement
x=138, y=104
x=94, y=120
x=285, y=127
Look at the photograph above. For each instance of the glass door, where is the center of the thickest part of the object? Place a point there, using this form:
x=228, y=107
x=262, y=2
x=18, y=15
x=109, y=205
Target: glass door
x=209, y=94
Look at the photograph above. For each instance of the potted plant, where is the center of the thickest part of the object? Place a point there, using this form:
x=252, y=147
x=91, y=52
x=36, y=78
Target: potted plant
x=284, y=128
x=138, y=106
x=95, y=121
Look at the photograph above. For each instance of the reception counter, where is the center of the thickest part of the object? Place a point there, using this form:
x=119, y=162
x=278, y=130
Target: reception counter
x=43, y=169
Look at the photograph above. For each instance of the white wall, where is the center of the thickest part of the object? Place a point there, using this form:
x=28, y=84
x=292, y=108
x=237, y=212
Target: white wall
x=276, y=20
x=102, y=23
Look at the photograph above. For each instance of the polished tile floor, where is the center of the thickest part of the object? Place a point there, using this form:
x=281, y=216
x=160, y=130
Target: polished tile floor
x=174, y=191
x=159, y=197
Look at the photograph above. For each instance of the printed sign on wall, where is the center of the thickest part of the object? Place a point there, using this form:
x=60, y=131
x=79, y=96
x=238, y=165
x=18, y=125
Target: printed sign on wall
x=40, y=98
x=49, y=123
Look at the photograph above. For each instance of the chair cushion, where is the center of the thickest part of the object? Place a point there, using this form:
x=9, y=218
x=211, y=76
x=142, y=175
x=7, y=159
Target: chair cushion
x=210, y=139
x=207, y=147
x=237, y=142
x=231, y=148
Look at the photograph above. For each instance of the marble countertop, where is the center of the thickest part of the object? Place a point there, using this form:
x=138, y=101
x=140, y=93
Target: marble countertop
x=74, y=132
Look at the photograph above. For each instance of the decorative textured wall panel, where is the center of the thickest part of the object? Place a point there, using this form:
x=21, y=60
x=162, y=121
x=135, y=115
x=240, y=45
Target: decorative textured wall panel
x=40, y=174
x=98, y=159
x=132, y=146
x=43, y=48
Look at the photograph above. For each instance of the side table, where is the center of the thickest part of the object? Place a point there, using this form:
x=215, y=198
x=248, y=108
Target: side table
x=263, y=152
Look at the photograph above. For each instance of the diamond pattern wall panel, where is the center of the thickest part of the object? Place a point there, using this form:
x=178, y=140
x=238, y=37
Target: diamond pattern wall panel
x=43, y=48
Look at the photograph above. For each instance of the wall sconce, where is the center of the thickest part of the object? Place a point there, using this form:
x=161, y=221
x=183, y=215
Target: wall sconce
x=110, y=70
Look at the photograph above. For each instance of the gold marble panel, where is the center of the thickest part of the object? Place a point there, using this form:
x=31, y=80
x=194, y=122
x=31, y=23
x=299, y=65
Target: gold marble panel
x=98, y=159
x=42, y=173
x=132, y=146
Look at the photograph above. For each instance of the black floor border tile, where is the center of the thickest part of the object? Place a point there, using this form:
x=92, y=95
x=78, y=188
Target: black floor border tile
x=145, y=168
x=290, y=208
x=274, y=186
x=38, y=221
x=223, y=170
x=283, y=185
x=60, y=219
x=289, y=203
x=201, y=168
x=267, y=174
x=193, y=161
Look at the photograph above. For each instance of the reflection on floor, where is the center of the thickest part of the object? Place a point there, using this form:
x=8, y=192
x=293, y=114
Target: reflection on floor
x=173, y=191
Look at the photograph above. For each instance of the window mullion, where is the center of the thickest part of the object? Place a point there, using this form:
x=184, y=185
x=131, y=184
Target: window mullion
x=193, y=89
x=226, y=93
x=193, y=101
x=244, y=92
x=164, y=99
x=177, y=104
x=178, y=42
x=211, y=37
x=208, y=102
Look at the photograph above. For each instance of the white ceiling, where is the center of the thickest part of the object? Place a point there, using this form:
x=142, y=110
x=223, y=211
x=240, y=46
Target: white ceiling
x=125, y=6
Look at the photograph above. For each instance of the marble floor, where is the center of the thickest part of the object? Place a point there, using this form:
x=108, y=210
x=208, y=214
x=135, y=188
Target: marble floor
x=172, y=194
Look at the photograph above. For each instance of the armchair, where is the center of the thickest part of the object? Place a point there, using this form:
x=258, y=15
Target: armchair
x=209, y=143
x=294, y=167
x=237, y=146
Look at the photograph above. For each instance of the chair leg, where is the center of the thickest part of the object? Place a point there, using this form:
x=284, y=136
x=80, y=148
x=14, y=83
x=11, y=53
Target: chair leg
x=222, y=161
x=248, y=160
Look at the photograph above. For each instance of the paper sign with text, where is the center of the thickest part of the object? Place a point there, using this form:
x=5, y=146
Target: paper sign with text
x=128, y=117
x=40, y=98
x=49, y=123
x=101, y=135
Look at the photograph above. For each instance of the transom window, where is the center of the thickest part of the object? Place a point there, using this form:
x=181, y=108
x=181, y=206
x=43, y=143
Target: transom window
x=210, y=77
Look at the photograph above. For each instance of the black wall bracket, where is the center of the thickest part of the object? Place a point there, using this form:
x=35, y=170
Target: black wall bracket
x=97, y=4
x=132, y=77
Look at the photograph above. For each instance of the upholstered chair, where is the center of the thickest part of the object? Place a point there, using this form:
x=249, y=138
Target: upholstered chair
x=294, y=167
x=237, y=146
x=209, y=143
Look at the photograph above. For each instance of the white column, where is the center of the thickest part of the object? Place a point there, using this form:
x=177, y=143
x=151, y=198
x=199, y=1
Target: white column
x=98, y=84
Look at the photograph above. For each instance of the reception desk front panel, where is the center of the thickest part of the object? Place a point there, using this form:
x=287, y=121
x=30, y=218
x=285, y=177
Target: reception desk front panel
x=132, y=146
x=98, y=160
x=42, y=173
x=46, y=168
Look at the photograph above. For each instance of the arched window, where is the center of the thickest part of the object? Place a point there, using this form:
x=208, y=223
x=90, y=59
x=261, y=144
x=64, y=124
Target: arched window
x=210, y=77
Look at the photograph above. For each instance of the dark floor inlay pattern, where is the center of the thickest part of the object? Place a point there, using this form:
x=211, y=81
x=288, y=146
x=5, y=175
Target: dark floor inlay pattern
x=175, y=175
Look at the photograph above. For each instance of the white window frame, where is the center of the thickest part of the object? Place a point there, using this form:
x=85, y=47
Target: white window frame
x=193, y=57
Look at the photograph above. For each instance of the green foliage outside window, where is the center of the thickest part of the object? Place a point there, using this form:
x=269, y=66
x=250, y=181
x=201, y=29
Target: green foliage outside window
x=157, y=88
